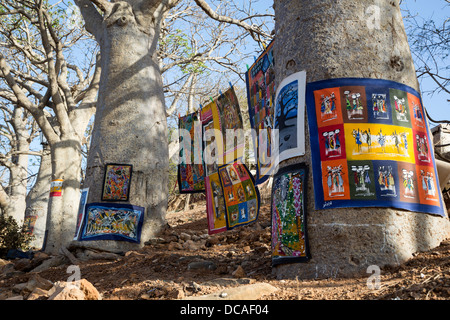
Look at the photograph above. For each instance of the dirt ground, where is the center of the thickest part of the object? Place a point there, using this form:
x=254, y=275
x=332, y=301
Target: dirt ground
x=185, y=261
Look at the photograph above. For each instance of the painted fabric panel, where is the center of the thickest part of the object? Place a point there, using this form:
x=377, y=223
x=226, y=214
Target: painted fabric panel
x=289, y=233
x=116, y=185
x=112, y=221
x=190, y=168
x=80, y=215
x=215, y=205
x=289, y=117
x=232, y=199
x=260, y=82
x=371, y=146
x=228, y=114
x=240, y=194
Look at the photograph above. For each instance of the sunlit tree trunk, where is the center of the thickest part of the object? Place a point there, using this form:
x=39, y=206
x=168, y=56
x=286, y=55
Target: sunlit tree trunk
x=130, y=123
x=362, y=39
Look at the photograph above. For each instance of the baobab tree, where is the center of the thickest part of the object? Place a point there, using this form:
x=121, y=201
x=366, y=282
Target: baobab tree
x=38, y=76
x=353, y=39
x=130, y=124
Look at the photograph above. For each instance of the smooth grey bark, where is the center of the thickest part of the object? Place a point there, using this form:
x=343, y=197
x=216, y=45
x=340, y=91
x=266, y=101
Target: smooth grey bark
x=61, y=215
x=18, y=167
x=38, y=197
x=130, y=123
x=334, y=39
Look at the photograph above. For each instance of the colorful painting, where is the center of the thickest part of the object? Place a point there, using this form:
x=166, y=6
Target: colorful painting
x=29, y=223
x=212, y=138
x=289, y=234
x=231, y=195
x=112, y=221
x=232, y=199
x=289, y=117
x=190, y=167
x=116, y=186
x=216, y=211
x=231, y=125
x=260, y=81
x=370, y=146
x=240, y=194
x=81, y=208
x=56, y=188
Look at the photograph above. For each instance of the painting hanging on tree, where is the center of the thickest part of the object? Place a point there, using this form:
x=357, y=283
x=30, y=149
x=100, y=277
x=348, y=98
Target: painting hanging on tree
x=260, y=81
x=112, y=221
x=116, y=185
x=190, y=167
x=371, y=146
x=80, y=215
x=289, y=232
x=289, y=118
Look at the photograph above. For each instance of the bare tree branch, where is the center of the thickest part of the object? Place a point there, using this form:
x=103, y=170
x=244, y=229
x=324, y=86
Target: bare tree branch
x=254, y=30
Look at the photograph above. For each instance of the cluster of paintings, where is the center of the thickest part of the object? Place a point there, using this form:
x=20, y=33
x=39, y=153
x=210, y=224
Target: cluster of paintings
x=231, y=193
x=370, y=146
x=110, y=221
x=216, y=168
x=277, y=117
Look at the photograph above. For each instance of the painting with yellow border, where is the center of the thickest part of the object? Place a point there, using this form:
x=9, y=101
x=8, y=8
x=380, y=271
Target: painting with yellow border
x=372, y=148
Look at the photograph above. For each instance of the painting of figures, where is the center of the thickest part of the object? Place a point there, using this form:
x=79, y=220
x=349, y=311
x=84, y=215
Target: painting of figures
x=354, y=103
x=375, y=151
x=116, y=186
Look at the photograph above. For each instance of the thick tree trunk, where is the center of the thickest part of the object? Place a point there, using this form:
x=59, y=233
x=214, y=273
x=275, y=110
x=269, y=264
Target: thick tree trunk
x=130, y=124
x=37, y=199
x=19, y=167
x=61, y=216
x=334, y=39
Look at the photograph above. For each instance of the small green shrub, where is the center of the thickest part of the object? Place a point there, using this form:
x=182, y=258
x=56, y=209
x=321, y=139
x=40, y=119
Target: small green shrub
x=12, y=236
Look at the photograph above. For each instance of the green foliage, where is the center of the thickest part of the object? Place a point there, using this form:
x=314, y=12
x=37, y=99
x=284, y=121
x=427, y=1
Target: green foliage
x=12, y=236
x=178, y=43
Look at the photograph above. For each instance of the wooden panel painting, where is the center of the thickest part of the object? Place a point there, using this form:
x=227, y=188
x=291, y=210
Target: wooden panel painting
x=289, y=233
x=370, y=146
x=116, y=185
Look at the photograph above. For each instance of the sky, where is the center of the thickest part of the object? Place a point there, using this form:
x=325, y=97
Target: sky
x=437, y=104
